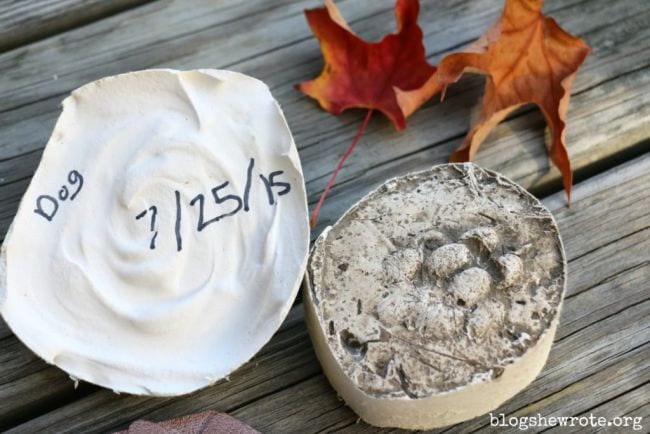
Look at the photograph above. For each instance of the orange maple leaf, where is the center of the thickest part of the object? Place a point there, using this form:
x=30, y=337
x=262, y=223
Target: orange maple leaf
x=392, y=75
x=528, y=58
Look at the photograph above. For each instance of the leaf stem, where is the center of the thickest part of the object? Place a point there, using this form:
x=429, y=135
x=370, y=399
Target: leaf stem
x=314, y=216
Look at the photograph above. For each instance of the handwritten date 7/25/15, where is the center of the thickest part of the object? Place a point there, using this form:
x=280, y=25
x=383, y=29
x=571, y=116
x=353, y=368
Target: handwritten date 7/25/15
x=229, y=203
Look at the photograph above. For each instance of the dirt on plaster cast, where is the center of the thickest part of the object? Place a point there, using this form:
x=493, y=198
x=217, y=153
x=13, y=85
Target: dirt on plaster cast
x=435, y=281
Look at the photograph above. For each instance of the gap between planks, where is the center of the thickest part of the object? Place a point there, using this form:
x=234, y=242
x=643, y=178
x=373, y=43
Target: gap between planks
x=23, y=23
x=620, y=186
x=589, y=109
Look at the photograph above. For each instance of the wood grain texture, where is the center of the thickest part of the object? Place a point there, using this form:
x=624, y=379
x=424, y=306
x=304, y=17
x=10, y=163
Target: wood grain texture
x=283, y=389
x=604, y=333
x=613, y=335
x=286, y=359
x=633, y=403
x=612, y=89
x=22, y=21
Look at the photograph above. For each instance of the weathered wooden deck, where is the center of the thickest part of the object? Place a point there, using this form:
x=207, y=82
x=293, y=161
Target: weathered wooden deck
x=600, y=362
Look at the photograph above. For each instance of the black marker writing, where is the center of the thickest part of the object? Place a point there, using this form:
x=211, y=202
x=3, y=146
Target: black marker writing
x=40, y=210
x=47, y=206
x=177, y=228
x=249, y=180
x=75, y=177
x=63, y=193
x=270, y=182
x=227, y=202
x=152, y=225
x=218, y=200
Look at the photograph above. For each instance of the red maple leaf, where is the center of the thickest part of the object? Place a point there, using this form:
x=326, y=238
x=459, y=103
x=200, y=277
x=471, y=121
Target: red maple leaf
x=391, y=76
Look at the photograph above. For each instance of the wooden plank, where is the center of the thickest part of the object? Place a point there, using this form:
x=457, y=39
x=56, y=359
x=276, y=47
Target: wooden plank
x=606, y=93
x=323, y=412
x=56, y=389
x=617, y=324
x=623, y=285
x=584, y=366
x=516, y=149
x=596, y=282
x=596, y=388
x=9, y=199
x=23, y=22
x=4, y=329
x=210, y=33
x=17, y=362
x=635, y=214
x=319, y=409
x=158, y=36
x=633, y=403
x=287, y=358
x=606, y=82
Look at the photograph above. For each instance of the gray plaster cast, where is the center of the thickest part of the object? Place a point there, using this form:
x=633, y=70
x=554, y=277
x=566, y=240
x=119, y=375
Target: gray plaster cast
x=436, y=297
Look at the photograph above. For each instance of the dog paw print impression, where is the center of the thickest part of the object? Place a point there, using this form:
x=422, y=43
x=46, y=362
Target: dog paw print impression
x=436, y=297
